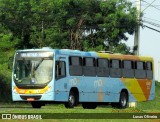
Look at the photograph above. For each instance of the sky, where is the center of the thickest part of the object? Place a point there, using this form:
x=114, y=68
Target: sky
x=149, y=39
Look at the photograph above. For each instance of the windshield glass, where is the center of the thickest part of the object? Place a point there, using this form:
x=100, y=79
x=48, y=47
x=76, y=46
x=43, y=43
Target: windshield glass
x=33, y=71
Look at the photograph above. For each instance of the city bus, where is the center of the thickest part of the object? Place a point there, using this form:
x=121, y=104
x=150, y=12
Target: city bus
x=75, y=77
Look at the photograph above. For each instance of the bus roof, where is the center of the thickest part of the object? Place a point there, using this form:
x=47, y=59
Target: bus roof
x=92, y=54
x=125, y=57
x=105, y=55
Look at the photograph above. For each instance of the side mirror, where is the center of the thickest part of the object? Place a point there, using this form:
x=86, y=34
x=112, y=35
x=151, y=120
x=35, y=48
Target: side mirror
x=10, y=62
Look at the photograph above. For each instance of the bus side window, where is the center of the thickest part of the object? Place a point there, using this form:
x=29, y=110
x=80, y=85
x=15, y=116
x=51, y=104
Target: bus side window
x=102, y=67
x=140, y=71
x=89, y=66
x=149, y=70
x=60, y=69
x=115, y=68
x=128, y=69
x=75, y=66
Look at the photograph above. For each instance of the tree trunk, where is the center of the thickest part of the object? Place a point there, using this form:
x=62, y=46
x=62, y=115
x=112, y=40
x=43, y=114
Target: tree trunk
x=75, y=35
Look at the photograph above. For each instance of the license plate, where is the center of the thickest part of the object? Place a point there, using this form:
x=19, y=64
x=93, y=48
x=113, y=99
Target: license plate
x=30, y=99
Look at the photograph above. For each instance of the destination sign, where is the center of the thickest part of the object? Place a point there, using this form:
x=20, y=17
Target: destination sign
x=34, y=54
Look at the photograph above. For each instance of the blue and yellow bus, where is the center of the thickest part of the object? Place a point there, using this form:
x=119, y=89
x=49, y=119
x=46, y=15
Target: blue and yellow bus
x=72, y=77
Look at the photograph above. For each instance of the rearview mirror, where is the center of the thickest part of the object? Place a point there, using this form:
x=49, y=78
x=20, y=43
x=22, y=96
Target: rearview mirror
x=10, y=61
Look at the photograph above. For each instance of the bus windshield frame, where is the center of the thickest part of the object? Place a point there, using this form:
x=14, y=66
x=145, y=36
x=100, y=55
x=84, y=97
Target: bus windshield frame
x=33, y=69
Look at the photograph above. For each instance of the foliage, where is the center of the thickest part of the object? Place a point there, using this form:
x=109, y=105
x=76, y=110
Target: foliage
x=75, y=24
x=7, y=43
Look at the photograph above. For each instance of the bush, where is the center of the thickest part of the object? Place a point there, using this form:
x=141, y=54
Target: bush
x=5, y=88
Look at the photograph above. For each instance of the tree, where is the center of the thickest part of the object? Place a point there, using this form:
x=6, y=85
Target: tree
x=75, y=24
x=15, y=16
x=90, y=23
x=7, y=44
x=25, y=19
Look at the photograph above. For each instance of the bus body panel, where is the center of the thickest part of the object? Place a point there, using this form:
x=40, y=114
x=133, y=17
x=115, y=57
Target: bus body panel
x=152, y=92
x=91, y=89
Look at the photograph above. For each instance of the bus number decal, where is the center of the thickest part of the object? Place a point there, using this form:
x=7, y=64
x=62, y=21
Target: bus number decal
x=74, y=81
x=98, y=83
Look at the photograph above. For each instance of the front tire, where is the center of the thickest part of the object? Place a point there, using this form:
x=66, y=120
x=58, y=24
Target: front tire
x=71, y=100
x=36, y=104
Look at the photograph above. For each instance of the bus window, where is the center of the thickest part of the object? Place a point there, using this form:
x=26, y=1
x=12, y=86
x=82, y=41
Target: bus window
x=75, y=61
x=60, y=69
x=89, y=66
x=128, y=69
x=115, y=68
x=75, y=66
x=149, y=70
x=140, y=71
x=102, y=67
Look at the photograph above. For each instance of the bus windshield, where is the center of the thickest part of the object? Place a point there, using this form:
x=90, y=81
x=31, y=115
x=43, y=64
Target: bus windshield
x=33, y=71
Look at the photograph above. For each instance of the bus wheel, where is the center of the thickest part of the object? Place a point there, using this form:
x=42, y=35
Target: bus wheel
x=36, y=104
x=89, y=105
x=123, y=101
x=71, y=100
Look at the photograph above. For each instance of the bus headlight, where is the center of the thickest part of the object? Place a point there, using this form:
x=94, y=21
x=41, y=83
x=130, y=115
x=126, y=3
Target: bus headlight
x=14, y=90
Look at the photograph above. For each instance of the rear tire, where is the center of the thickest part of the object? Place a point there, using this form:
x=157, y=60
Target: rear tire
x=123, y=101
x=71, y=100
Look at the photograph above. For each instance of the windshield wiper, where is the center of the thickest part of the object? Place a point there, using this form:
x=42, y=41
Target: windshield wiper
x=38, y=64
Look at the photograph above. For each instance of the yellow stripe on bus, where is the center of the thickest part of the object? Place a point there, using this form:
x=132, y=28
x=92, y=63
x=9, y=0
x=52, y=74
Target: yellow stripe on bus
x=133, y=86
x=31, y=91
